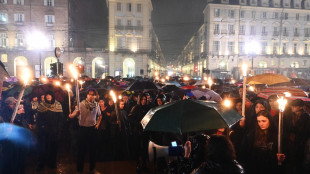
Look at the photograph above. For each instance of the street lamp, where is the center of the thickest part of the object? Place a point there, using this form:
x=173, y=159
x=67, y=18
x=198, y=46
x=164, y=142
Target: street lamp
x=252, y=48
x=36, y=40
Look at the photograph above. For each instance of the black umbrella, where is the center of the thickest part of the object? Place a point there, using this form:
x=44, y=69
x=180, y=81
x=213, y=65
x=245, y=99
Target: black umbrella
x=189, y=116
x=142, y=85
x=170, y=88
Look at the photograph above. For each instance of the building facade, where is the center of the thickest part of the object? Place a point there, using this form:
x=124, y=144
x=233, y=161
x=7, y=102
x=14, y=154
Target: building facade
x=270, y=37
x=133, y=45
x=29, y=32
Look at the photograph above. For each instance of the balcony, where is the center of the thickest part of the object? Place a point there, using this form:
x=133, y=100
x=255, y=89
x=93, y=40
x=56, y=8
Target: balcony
x=216, y=32
x=242, y=32
x=224, y=31
x=231, y=32
x=264, y=33
x=275, y=33
x=296, y=34
x=253, y=33
x=49, y=24
x=19, y=22
x=285, y=34
x=307, y=34
x=119, y=27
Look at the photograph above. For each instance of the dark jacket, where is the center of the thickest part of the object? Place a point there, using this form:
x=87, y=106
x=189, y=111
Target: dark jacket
x=211, y=167
x=259, y=160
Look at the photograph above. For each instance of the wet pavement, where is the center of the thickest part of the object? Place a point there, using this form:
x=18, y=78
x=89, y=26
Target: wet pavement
x=109, y=167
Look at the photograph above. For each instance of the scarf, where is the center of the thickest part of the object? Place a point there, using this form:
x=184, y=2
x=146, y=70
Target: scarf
x=89, y=105
x=55, y=107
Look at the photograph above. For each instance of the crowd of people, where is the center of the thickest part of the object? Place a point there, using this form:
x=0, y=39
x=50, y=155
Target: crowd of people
x=103, y=130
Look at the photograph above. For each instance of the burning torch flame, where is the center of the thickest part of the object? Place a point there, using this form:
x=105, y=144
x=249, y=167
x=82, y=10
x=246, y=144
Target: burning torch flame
x=26, y=76
x=227, y=103
x=113, y=96
x=74, y=72
x=68, y=87
x=282, y=102
x=287, y=94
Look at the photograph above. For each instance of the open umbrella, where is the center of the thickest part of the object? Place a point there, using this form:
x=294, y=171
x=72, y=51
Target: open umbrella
x=296, y=93
x=142, y=85
x=172, y=83
x=268, y=79
x=60, y=93
x=189, y=116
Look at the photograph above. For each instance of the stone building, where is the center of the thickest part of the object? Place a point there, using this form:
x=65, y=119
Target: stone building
x=271, y=37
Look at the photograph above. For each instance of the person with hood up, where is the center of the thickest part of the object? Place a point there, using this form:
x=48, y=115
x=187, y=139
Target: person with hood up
x=49, y=124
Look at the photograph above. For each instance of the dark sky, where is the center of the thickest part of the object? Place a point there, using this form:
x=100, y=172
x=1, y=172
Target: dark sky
x=174, y=21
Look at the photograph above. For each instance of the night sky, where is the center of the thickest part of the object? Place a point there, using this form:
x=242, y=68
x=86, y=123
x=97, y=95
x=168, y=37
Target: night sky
x=174, y=21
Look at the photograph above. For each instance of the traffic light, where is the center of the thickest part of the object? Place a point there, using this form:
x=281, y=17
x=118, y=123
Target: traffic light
x=53, y=68
x=80, y=69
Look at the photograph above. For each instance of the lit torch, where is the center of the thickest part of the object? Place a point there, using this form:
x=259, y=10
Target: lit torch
x=244, y=70
x=68, y=87
x=282, y=102
x=115, y=104
x=210, y=82
x=75, y=75
x=25, y=77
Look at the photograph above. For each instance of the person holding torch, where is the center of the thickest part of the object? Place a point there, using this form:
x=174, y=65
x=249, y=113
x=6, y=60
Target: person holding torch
x=88, y=115
x=296, y=138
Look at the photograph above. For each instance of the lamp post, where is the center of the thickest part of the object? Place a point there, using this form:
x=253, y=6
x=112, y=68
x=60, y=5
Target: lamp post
x=244, y=70
x=25, y=77
x=282, y=102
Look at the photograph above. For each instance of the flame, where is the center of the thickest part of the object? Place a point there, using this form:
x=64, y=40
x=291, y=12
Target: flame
x=287, y=94
x=282, y=102
x=113, y=96
x=68, y=87
x=120, y=97
x=73, y=70
x=26, y=75
x=227, y=103
x=57, y=83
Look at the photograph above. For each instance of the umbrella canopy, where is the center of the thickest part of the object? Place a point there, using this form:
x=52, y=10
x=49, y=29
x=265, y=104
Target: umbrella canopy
x=17, y=89
x=189, y=116
x=172, y=83
x=268, y=79
x=189, y=87
x=170, y=88
x=209, y=94
x=60, y=93
x=295, y=92
x=142, y=85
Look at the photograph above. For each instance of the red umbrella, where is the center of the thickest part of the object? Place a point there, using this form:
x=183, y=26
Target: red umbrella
x=189, y=87
x=296, y=93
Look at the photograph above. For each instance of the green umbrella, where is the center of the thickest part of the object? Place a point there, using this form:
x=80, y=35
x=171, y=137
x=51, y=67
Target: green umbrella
x=17, y=89
x=189, y=116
